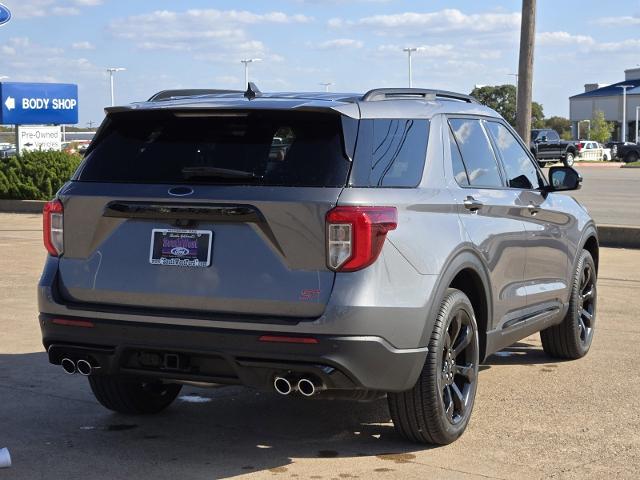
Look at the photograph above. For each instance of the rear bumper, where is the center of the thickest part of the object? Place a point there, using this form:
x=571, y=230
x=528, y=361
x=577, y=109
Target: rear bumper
x=227, y=356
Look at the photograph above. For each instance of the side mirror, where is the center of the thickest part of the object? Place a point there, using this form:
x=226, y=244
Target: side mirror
x=543, y=138
x=563, y=179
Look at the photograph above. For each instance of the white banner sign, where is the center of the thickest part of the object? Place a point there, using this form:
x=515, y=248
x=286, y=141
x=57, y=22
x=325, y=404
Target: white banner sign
x=35, y=137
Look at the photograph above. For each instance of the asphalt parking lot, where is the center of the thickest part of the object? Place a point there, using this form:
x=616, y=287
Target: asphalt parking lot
x=534, y=417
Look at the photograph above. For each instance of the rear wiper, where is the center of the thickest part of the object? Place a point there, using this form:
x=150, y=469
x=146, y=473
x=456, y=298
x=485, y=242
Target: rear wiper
x=215, y=172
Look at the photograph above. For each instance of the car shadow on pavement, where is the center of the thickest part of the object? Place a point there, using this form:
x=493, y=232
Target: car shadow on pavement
x=209, y=433
x=520, y=353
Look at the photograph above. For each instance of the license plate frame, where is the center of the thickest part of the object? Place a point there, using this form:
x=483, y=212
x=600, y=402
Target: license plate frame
x=180, y=247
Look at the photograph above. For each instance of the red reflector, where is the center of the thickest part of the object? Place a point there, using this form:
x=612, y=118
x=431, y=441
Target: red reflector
x=279, y=339
x=73, y=323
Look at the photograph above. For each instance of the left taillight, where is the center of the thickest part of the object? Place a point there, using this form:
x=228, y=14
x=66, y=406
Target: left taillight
x=53, y=227
x=355, y=235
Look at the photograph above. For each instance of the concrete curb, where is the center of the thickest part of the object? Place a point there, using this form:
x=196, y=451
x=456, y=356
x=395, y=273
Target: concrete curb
x=619, y=236
x=21, y=206
x=598, y=164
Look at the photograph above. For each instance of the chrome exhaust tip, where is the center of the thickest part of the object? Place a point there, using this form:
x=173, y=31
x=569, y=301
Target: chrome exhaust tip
x=84, y=368
x=282, y=386
x=306, y=387
x=68, y=366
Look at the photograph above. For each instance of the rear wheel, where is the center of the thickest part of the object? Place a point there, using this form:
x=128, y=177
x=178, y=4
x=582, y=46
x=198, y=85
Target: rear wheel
x=572, y=338
x=569, y=159
x=132, y=396
x=631, y=157
x=437, y=409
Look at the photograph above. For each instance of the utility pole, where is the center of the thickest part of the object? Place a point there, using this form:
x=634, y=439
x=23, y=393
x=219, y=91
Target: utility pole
x=90, y=123
x=624, y=111
x=111, y=71
x=246, y=62
x=409, y=50
x=525, y=68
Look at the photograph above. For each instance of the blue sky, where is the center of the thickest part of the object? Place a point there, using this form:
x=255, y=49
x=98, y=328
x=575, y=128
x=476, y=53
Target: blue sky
x=355, y=44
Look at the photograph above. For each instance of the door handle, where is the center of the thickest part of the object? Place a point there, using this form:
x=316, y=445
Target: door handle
x=533, y=209
x=472, y=204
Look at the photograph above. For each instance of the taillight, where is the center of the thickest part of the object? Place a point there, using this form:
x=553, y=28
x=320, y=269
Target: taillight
x=52, y=227
x=355, y=235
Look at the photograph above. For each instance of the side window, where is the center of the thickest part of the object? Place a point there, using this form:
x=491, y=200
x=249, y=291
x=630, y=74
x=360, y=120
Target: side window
x=399, y=150
x=459, y=172
x=520, y=170
x=552, y=136
x=477, y=154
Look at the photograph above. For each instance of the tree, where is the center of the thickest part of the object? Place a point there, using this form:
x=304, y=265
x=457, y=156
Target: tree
x=600, y=128
x=502, y=98
x=561, y=125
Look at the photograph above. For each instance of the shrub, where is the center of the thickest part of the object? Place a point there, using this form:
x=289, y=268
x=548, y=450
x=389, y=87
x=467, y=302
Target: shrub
x=36, y=175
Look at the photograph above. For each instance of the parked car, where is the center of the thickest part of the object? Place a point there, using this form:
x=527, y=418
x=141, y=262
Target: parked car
x=614, y=146
x=593, y=151
x=8, y=152
x=547, y=147
x=398, y=244
x=629, y=152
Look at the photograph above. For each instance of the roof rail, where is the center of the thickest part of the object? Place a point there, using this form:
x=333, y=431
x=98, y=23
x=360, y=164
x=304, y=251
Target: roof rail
x=169, y=94
x=428, y=94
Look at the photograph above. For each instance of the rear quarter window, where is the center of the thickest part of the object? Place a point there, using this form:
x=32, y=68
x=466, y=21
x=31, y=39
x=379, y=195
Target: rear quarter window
x=390, y=153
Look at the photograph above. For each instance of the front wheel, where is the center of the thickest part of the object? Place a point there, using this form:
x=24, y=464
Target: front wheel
x=132, y=396
x=437, y=409
x=569, y=159
x=572, y=338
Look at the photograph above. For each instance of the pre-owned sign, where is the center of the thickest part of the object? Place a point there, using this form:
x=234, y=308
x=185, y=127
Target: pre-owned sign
x=38, y=103
x=38, y=137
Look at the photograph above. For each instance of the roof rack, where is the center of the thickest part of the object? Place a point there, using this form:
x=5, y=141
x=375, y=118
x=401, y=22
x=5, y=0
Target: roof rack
x=378, y=94
x=169, y=94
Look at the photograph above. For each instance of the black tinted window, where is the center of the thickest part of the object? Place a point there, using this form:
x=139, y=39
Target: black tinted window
x=390, y=153
x=256, y=148
x=477, y=153
x=459, y=171
x=552, y=136
x=521, y=173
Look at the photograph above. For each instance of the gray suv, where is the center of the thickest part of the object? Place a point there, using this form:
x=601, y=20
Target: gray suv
x=312, y=244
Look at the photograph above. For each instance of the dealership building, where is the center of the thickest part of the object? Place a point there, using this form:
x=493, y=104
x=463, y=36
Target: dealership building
x=610, y=100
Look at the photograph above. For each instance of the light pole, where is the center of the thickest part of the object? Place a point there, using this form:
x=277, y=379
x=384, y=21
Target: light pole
x=111, y=71
x=637, y=110
x=624, y=110
x=516, y=76
x=409, y=50
x=246, y=62
x=326, y=85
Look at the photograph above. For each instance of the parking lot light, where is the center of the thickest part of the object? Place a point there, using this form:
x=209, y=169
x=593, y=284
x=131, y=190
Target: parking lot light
x=624, y=110
x=111, y=71
x=246, y=62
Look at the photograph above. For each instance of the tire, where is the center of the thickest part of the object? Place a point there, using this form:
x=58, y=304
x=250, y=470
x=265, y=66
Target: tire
x=572, y=338
x=631, y=157
x=541, y=164
x=569, y=159
x=437, y=409
x=133, y=397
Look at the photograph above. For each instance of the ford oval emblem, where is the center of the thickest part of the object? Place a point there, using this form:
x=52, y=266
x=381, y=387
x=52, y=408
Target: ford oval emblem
x=179, y=251
x=5, y=14
x=180, y=191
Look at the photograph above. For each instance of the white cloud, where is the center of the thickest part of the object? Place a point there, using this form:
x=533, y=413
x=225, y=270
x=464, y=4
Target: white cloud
x=447, y=20
x=84, y=45
x=562, y=38
x=427, y=51
x=619, y=22
x=64, y=11
x=216, y=35
x=87, y=3
x=339, y=43
x=41, y=8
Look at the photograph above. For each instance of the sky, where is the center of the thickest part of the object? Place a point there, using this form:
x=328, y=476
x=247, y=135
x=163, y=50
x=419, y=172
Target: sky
x=354, y=44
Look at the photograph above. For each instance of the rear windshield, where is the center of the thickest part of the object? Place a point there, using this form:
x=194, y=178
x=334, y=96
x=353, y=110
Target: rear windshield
x=254, y=148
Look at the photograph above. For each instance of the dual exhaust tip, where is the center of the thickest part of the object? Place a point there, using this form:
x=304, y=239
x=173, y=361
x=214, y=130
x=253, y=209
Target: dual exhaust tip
x=83, y=367
x=306, y=386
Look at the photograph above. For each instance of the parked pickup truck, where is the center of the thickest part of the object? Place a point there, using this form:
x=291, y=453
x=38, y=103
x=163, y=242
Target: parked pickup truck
x=629, y=152
x=547, y=147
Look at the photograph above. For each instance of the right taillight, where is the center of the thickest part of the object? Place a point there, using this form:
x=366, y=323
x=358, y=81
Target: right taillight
x=355, y=235
x=53, y=227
